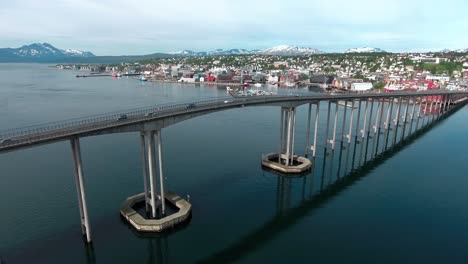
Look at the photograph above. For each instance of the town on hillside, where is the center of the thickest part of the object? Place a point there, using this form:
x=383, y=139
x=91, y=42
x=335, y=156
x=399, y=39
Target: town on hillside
x=345, y=72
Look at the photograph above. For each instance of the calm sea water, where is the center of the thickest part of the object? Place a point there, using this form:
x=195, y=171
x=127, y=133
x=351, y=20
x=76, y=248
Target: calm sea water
x=410, y=205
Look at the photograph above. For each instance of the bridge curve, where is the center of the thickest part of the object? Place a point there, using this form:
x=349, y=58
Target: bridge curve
x=160, y=116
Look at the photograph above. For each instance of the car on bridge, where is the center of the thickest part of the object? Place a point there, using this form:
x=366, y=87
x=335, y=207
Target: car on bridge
x=6, y=141
x=122, y=117
x=190, y=106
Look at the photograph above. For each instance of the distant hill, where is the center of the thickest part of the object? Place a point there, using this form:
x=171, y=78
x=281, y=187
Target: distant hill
x=39, y=52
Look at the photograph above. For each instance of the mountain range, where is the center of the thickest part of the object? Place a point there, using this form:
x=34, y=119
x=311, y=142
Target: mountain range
x=278, y=50
x=454, y=50
x=45, y=52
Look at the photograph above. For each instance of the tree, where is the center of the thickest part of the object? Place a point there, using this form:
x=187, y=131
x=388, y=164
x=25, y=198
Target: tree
x=379, y=85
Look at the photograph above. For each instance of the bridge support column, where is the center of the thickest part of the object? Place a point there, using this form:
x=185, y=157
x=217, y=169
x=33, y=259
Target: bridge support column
x=145, y=171
x=328, y=126
x=358, y=119
x=412, y=116
x=405, y=117
x=332, y=141
x=419, y=114
x=161, y=177
x=350, y=130
x=85, y=228
x=309, y=113
x=431, y=117
x=345, y=112
x=285, y=161
x=363, y=130
x=314, y=150
x=397, y=121
x=379, y=124
x=152, y=171
x=388, y=121
x=157, y=221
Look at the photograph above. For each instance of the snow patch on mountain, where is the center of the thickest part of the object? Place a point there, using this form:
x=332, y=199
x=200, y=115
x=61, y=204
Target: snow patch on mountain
x=454, y=50
x=364, y=50
x=289, y=50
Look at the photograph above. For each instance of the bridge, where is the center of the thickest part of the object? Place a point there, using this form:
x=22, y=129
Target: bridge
x=379, y=117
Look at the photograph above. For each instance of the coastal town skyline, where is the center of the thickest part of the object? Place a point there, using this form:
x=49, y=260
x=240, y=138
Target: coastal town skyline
x=118, y=27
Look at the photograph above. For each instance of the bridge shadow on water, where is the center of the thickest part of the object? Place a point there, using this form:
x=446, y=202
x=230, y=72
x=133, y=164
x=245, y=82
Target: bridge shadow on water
x=330, y=187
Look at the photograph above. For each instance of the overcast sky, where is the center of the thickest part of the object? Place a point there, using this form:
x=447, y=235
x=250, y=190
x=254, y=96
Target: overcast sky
x=114, y=27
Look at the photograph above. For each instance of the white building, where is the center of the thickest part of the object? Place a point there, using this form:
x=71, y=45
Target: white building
x=441, y=78
x=364, y=86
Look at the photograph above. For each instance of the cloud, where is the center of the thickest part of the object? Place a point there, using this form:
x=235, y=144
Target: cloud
x=125, y=27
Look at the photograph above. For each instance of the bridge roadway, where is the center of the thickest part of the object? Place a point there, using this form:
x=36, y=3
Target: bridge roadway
x=161, y=116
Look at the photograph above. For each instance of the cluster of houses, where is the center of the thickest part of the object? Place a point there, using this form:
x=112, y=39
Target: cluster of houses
x=346, y=72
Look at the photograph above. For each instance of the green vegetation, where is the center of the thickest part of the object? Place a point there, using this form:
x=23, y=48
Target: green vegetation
x=379, y=85
x=441, y=68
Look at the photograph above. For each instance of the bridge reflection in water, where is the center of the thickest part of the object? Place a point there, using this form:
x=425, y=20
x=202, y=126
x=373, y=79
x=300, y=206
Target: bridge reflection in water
x=332, y=172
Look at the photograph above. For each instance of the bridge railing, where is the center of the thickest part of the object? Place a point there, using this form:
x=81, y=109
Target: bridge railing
x=101, y=118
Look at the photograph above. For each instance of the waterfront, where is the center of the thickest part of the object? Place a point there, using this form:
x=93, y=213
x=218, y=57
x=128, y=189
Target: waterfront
x=405, y=209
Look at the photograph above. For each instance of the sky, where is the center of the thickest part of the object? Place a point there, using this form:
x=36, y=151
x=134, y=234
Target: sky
x=115, y=27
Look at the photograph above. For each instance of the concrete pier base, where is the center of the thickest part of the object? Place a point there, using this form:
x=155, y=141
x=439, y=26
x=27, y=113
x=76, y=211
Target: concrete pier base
x=142, y=224
x=299, y=164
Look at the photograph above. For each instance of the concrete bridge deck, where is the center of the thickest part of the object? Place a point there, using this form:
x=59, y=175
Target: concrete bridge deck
x=161, y=116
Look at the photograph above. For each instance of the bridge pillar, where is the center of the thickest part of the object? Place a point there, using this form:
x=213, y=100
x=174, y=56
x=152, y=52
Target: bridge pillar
x=285, y=161
x=363, y=130
x=314, y=150
x=405, y=117
x=351, y=119
x=388, y=121
x=157, y=221
x=358, y=118
x=152, y=171
x=161, y=177
x=419, y=114
x=144, y=159
x=343, y=135
x=397, y=121
x=309, y=113
x=332, y=141
x=412, y=116
x=431, y=117
x=379, y=124
x=78, y=168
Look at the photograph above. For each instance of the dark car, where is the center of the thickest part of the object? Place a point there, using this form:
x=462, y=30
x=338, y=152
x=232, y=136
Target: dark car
x=189, y=106
x=122, y=117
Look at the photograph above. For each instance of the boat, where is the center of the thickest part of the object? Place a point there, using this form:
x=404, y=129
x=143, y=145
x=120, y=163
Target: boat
x=143, y=78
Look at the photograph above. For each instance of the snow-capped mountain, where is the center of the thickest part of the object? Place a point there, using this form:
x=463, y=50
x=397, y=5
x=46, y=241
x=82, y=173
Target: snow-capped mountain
x=278, y=50
x=216, y=52
x=364, y=50
x=289, y=50
x=41, y=52
x=454, y=50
